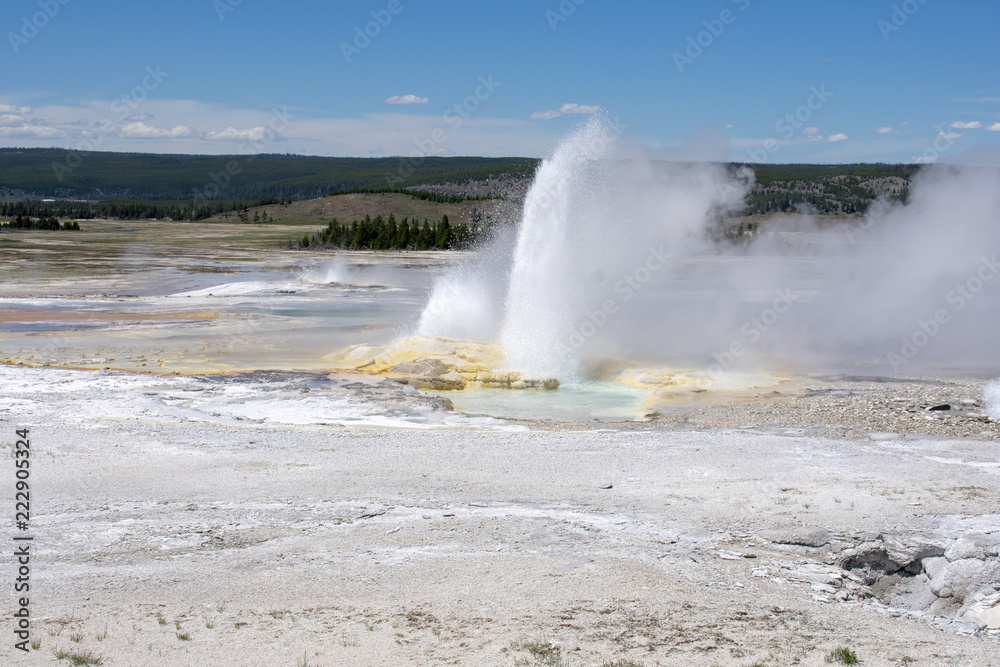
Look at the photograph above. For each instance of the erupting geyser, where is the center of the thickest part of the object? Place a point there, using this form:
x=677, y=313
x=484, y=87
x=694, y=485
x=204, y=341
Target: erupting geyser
x=592, y=215
x=542, y=295
x=618, y=256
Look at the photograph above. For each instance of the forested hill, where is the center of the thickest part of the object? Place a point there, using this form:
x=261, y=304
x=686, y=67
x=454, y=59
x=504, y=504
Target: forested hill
x=201, y=185
x=61, y=174
x=842, y=189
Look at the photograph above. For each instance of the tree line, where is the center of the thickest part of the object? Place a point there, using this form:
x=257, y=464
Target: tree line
x=388, y=234
x=129, y=209
x=41, y=172
x=42, y=223
x=423, y=195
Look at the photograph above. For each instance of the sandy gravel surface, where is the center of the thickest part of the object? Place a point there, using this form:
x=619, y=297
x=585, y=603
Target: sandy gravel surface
x=172, y=529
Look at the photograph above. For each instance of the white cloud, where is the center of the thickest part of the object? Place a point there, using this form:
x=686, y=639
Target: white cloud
x=143, y=131
x=31, y=132
x=568, y=108
x=9, y=108
x=926, y=159
x=884, y=130
x=729, y=126
x=392, y=131
x=11, y=119
x=232, y=134
x=952, y=136
x=971, y=125
x=544, y=115
x=995, y=127
x=578, y=108
x=837, y=137
x=810, y=130
x=405, y=99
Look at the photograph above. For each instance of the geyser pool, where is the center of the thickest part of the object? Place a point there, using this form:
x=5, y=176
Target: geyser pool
x=576, y=401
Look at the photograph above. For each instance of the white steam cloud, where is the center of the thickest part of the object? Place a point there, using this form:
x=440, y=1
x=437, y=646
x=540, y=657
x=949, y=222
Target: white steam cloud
x=620, y=255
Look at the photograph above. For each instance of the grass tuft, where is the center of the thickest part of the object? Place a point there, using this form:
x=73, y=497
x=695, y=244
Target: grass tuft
x=543, y=653
x=184, y=636
x=78, y=659
x=844, y=656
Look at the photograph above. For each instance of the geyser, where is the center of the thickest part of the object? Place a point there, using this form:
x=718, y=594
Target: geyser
x=595, y=215
x=618, y=256
x=540, y=305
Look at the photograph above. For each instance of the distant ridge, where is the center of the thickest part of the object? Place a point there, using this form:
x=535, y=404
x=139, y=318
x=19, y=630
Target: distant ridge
x=61, y=174
x=39, y=173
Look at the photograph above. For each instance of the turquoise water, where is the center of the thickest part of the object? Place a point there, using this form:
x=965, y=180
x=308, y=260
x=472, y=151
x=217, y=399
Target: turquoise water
x=570, y=402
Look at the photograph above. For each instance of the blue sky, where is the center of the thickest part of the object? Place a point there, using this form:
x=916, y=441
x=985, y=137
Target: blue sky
x=744, y=80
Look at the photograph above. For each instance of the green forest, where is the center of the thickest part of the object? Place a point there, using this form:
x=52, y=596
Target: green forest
x=97, y=176
x=50, y=224
x=388, y=234
x=134, y=186
x=826, y=189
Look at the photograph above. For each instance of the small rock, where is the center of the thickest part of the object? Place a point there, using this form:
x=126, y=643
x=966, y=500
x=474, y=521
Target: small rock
x=939, y=408
x=908, y=550
x=934, y=566
x=956, y=578
x=608, y=485
x=965, y=547
x=986, y=610
x=808, y=536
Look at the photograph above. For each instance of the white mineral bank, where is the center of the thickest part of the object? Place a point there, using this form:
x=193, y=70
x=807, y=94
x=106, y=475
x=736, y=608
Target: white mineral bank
x=344, y=537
